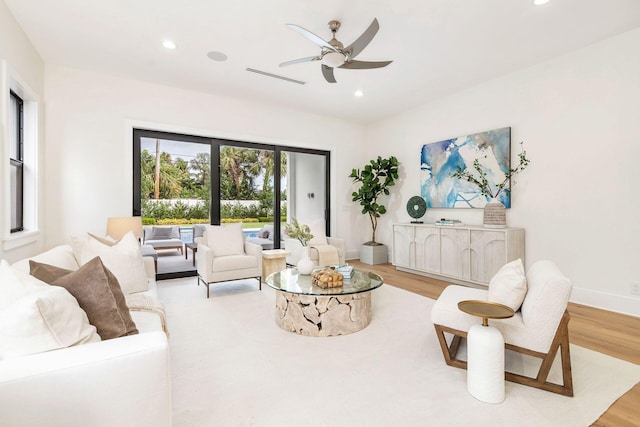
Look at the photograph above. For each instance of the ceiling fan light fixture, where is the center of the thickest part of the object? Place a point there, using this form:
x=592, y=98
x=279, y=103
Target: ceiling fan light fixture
x=333, y=59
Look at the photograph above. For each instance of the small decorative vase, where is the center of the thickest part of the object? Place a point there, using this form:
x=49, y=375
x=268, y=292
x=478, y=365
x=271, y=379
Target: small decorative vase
x=495, y=215
x=305, y=265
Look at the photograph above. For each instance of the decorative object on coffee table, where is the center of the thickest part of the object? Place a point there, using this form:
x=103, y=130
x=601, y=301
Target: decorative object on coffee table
x=416, y=208
x=327, y=278
x=302, y=233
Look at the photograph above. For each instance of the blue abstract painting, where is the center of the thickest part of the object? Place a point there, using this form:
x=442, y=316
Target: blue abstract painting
x=440, y=160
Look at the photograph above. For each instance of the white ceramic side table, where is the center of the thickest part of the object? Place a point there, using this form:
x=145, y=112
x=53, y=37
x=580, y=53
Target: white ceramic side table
x=485, y=351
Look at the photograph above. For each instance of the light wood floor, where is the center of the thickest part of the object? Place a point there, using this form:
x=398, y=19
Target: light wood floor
x=603, y=331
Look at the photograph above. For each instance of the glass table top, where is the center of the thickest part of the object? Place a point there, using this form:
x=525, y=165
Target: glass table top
x=290, y=281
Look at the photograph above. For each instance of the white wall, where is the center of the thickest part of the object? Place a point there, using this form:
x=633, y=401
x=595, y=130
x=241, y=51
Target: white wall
x=306, y=176
x=24, y=68
x=579, y=117
x=89, y=143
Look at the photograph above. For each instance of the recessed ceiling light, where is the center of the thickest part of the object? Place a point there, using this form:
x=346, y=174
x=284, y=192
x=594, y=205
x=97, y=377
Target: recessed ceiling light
x=358, y=94
x=169, y=44
x=217, y=56
x=540, y=2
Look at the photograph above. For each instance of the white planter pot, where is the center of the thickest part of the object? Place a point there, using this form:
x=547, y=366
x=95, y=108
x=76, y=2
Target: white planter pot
x=305, y=265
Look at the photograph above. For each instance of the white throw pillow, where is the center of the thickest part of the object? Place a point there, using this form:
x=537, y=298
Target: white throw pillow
x=61, y=256
x=318, y=231
x=36, y=317
x=123, y=259
x=225, y=240
x=509, y=285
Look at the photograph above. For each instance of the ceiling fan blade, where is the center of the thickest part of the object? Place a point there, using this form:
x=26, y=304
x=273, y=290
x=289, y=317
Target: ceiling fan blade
x=315, y=39
x=327, y=72
x=299, y=60
x=363, y=65
x=365, y=38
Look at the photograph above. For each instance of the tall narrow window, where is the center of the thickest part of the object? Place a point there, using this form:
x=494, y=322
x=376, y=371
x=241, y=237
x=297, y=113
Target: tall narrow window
x=16, y=161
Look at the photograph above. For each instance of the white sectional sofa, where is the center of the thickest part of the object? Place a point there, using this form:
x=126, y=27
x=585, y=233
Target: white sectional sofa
x=121, y=381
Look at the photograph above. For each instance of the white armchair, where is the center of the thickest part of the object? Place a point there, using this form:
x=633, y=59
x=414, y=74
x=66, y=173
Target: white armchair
x=224, y=255
x=538, y=328
x=295, y=248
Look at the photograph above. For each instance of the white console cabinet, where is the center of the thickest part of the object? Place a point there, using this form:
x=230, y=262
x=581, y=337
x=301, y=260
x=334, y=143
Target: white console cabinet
x=464, y=253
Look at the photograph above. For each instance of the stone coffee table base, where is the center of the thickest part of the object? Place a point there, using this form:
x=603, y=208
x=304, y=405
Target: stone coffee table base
x=323, y=316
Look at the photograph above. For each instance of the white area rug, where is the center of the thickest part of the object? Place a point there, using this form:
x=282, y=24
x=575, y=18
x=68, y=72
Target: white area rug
x=233, y=366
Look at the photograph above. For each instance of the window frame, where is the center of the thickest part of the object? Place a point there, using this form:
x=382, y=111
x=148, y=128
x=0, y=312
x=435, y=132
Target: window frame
x=17, y=202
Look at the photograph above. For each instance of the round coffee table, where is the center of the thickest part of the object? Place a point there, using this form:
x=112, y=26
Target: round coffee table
x=485, y=351
x=307, y=309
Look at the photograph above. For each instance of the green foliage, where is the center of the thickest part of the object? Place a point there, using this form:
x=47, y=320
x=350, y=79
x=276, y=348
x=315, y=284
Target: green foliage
x=479, y=177
x=174, y=209
x=302, y=232
x=375, y=179
x=234, y=220
x=182, y=221
x=148, y=221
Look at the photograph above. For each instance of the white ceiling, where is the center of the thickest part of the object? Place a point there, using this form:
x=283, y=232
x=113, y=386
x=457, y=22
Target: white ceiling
x=438, y=46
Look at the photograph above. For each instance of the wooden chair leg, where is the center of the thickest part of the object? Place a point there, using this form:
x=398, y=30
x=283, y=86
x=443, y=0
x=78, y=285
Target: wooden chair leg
x=560, y=342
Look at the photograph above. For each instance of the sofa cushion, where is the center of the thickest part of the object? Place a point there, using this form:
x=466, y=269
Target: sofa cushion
x=36, y=317
x=61, y=256
x=234, y=262
x=123, y=259
x=509, y=285
x=225, y=240
x=98, y=293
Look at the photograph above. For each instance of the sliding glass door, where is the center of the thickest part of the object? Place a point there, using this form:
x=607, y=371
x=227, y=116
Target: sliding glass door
x=182, y=180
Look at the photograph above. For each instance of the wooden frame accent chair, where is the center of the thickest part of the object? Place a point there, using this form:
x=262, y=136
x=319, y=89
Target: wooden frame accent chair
x=538, y=329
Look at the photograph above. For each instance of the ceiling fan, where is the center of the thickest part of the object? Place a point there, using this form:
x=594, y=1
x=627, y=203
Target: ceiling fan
x=333, y=54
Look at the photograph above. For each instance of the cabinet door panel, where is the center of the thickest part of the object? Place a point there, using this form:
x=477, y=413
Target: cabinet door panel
x=488, y=254
x=403, y=246
x=454, y=252
x=427, y=249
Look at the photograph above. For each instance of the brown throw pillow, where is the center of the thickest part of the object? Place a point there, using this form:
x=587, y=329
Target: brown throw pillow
x=98, y=293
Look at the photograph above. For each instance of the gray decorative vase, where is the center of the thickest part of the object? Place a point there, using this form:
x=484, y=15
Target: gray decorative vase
x=495, y=215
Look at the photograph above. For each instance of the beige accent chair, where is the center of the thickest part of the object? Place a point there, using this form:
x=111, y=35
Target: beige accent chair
x=224, y=255
x=163, y=237
x=538, y=328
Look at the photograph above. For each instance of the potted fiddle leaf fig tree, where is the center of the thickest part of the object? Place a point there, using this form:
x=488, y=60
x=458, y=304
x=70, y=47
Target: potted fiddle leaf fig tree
x=375, y=179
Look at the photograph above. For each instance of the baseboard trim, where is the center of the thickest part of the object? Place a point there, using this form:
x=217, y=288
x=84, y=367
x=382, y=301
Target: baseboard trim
x=606, y=301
